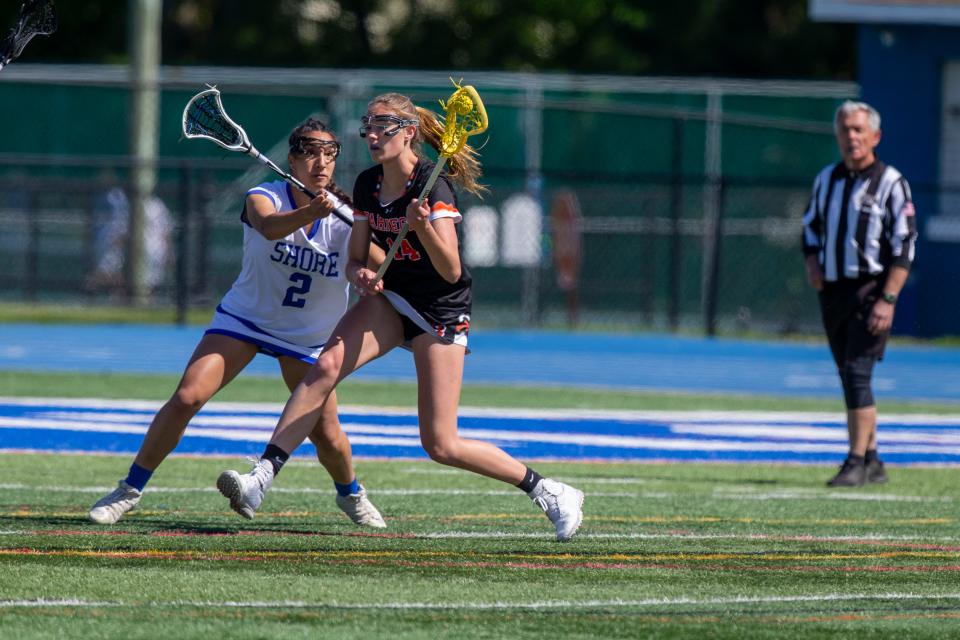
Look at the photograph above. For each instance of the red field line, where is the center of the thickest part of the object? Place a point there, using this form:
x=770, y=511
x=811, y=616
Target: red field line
x=391, y=559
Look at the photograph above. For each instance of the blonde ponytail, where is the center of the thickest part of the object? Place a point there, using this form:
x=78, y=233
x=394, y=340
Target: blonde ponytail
x=464, y=168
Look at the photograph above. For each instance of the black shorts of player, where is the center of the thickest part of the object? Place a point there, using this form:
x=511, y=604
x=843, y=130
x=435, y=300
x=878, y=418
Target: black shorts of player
x=410, y=328
x=845, y=308
x=446, y=333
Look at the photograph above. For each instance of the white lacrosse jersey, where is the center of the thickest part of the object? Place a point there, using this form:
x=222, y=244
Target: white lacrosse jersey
x=292, y=289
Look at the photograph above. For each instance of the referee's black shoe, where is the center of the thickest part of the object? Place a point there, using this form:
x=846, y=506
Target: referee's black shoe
x=876, y=472
x=853, y=473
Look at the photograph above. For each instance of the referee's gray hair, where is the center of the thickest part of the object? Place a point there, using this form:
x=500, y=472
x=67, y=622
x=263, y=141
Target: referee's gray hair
x=852, y=106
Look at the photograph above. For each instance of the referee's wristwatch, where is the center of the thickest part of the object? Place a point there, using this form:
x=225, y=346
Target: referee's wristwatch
x=889, y=298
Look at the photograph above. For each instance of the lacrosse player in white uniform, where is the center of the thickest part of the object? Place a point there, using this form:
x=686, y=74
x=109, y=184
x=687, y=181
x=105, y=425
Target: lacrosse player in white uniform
x=288, y=297
x=424, y=301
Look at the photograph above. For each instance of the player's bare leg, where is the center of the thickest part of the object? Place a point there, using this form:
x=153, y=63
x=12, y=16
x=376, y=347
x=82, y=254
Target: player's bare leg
x=368, y=330
x=333, y=446
x=348, y=348
x=216, y=361
x=439, y=379
x=335, y=454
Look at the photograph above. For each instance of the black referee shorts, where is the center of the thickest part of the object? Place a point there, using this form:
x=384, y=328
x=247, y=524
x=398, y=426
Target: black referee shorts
x=845, y=308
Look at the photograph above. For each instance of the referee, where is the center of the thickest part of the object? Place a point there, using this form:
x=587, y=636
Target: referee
x=859, y=234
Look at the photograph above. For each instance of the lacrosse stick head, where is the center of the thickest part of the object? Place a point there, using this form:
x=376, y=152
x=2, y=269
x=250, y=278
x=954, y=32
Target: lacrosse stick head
x=37, y=17
x=465, y=117
x=204, y=117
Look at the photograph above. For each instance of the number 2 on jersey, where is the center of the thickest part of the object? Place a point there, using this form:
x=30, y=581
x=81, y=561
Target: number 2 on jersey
x=301, y=287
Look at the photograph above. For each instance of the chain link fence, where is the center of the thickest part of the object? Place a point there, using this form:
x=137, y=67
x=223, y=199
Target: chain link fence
x=614, y=253
x=615, y=203
x=593, y=252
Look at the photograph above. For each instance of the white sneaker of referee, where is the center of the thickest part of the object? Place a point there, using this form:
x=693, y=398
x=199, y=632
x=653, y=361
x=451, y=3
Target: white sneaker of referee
x=563, y=505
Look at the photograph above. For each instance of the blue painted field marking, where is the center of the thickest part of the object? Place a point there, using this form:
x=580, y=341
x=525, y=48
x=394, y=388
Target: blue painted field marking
x=640, y=362
x=242, y=429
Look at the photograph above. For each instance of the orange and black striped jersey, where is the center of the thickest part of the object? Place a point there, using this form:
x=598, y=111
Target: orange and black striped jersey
x=411, y=274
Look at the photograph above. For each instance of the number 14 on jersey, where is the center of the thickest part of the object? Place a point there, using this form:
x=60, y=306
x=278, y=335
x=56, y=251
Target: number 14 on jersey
x=406, y=251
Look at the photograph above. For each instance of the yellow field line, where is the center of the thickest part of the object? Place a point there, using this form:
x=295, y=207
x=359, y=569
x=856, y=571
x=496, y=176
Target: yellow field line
x=471, y=556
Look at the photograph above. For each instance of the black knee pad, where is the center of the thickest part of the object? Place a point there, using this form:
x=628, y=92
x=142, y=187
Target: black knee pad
x=855, y=376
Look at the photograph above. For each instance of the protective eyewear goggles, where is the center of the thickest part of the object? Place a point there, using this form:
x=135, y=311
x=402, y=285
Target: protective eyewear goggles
x=313, y=148
x=384, y=125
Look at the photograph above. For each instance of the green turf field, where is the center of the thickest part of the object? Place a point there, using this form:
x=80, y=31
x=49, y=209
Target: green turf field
x=678, y=550
x=259, y=389
x=717, y=551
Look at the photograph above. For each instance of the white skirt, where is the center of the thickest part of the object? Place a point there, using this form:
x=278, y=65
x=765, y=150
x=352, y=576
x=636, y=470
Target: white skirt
x=225, y=323
x=404, y=308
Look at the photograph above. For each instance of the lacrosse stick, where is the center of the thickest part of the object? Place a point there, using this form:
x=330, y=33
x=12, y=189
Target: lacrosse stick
x=465, y=117
x=37, y=17
x=204, y=117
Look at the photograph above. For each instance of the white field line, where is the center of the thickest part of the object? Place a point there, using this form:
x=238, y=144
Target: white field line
x=438, y=471
x=325, y=492
x=495, y=605
x=918, y=444
x=564, y=415
x=410, y=437
x=249, y=421
x=45, y=602
x=717, y=494
x=825, y=495
x=736, y=430
x=240, y=435
x=799, y=432
x=606, y=480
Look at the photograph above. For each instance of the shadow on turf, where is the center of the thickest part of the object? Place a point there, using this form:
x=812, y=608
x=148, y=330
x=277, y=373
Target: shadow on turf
x=160, y=526
x=140, y=525
x=720, y=480
x=42, y=522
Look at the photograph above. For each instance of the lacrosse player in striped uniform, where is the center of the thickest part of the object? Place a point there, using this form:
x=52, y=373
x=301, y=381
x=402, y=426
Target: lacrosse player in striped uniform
x=422, y=303
x=290, y=293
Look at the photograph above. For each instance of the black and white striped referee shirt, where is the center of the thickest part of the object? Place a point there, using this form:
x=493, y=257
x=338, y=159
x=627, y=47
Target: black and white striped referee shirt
x=860, y=223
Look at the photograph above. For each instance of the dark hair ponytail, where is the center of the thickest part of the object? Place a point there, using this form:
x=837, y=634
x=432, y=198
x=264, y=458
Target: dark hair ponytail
x=337, y=191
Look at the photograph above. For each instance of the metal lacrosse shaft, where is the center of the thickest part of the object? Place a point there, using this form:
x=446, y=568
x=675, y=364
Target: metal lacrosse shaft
x=403, y=230
x=337, y=202
x=195, y=126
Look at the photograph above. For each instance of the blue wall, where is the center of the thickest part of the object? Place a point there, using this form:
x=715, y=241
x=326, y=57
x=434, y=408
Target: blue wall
x=900, y=70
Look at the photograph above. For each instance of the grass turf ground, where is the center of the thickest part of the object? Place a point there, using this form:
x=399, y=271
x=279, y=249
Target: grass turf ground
x=721, y=551
x=246, y=388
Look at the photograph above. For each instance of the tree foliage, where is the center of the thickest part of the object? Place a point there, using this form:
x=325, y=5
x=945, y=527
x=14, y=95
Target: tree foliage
x=746, y=38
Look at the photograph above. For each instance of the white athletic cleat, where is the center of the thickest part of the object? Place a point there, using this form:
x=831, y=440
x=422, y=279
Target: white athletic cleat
x=112, y=506
x=562, y=504
x=245, y=491
x=359, y=509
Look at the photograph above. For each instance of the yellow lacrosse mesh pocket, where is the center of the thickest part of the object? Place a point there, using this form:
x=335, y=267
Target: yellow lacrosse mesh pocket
x=465, y=117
